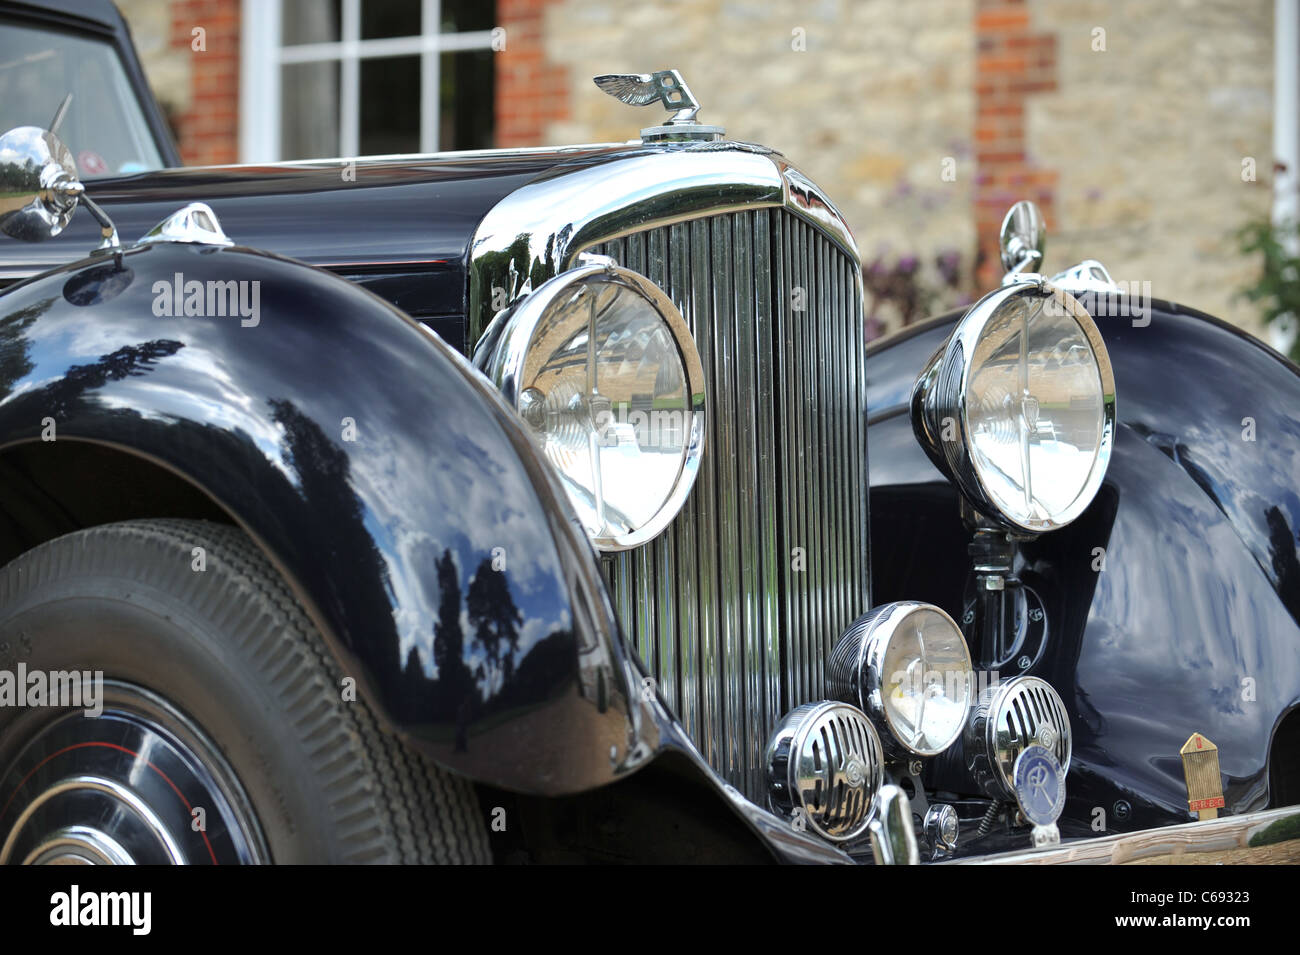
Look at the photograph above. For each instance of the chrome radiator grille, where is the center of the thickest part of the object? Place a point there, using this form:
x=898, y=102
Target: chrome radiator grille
x=735, y=608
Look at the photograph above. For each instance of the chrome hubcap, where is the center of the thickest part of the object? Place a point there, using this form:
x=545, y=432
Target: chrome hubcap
x=137, y=785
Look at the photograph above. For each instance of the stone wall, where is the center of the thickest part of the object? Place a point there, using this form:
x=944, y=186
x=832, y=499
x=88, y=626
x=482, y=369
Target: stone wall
x=1134, y=152
x=869, y=98
x=924, y=120
x=1148, y=138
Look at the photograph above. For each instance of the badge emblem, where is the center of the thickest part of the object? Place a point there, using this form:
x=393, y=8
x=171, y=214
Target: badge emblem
x=1204, y=781
x=667, y=88
x=642, y=89
x=1040, y=791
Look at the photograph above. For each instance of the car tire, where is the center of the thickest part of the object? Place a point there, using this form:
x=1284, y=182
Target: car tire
x=226, y=734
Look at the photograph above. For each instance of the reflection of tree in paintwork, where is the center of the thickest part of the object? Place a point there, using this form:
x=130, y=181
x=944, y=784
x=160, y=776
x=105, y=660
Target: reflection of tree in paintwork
x=496, y=620
x=1286, y=568
x=325, y=483
x=15, y=363
x=59, y=399
x=448, y=638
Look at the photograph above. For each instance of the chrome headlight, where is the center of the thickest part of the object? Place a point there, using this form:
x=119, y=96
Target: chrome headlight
x=1018, y=408
x=906, y=664
x=602, y=368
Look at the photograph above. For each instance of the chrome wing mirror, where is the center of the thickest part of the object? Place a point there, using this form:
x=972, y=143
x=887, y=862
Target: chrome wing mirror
x=1023, y=240
x=1024, y=237
x=39, y=188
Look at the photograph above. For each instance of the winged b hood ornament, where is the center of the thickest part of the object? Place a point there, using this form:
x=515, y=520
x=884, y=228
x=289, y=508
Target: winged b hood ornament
x=667, y=88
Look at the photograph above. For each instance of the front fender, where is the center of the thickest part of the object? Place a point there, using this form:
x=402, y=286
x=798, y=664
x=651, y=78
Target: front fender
x=383, y=476
x=1190, y=624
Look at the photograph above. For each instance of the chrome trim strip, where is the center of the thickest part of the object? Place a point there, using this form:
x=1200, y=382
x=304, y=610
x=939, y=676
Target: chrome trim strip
x=541, y=228
x=1250, y=837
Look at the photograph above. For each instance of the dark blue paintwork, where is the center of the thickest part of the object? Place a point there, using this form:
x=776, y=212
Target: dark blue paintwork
x=436, y=552
x=400, y=228
x=1200, y=593
x=389, y=539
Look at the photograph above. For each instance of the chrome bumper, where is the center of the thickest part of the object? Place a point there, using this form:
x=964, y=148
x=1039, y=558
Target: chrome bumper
x=1271, y=836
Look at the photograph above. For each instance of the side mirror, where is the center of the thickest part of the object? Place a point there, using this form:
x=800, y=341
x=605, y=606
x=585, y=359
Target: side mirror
x=38, y=184
x=39, y=188
x=1024, y=236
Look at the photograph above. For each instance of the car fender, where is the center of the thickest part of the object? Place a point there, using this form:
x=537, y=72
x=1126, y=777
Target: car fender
x=384, y=477
x=1172, y=602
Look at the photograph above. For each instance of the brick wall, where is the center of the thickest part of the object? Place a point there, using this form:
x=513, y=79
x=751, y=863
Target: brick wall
x=1134, y=152
x=198, y=89
x=209, y=127
x=1013, y=62
x=531, y=91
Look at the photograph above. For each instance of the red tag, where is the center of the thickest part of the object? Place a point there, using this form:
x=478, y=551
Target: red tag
x=1214, y=803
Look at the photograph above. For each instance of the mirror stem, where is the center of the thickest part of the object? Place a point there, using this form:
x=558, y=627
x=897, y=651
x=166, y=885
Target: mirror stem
x=106, y=228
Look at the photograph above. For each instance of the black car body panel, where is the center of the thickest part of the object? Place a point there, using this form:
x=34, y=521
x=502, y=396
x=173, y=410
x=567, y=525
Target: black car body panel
x=439, y=503
x=1192, y=623
x=385, y=537
x=418, y=216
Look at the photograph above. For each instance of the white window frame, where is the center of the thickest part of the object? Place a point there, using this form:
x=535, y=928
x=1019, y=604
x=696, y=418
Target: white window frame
x=262, y=55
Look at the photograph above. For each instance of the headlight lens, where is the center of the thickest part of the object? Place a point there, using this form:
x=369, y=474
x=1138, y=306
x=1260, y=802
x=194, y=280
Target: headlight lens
x=604, y=372
x=908, y=666
x=1019, y=407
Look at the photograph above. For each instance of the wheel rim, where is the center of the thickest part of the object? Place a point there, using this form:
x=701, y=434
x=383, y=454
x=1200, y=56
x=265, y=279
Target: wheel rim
x=138, y=784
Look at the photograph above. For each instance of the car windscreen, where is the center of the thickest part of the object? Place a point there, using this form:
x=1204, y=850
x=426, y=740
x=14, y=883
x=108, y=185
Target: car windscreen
x=104, y=126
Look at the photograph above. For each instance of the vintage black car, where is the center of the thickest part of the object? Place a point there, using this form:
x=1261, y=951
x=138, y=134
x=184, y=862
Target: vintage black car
x=516, y=505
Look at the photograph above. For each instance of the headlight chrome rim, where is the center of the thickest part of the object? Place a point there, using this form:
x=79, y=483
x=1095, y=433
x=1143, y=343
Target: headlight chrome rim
x=856, y=672
x=942, y=390
x=503, y=355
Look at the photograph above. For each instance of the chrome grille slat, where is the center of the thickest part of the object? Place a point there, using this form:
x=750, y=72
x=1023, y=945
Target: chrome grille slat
x=732, y=633
x=749, y=511
x=730, y=660
x=710, y=734
x=685, y=528
x=769, y=618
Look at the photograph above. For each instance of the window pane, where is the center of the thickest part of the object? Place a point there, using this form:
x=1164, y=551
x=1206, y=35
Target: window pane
x=383, y=18
x=468, y=101
x=460, y=16
x=309, y=110
x=390, y=105
x=310, y=21
x=104, y=126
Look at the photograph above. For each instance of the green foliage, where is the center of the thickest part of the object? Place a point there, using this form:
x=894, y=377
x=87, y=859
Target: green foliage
x=1277, y=286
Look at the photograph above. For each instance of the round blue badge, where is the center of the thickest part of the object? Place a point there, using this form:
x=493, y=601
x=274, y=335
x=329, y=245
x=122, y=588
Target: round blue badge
x=1040, y=785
